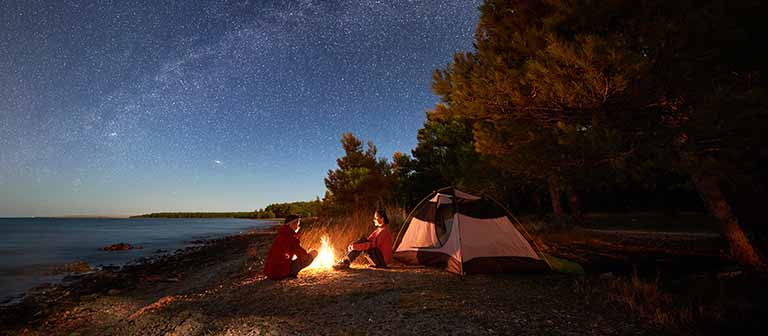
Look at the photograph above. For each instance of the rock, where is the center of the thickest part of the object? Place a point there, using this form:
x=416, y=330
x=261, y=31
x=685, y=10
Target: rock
x=41, y=290
x=111, y=268
x=119, y=247
x=69, y=279
x=113, y=291
x=73, y=267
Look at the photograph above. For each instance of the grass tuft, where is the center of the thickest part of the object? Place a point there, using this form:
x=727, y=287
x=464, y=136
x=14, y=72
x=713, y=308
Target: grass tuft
x=650, y=302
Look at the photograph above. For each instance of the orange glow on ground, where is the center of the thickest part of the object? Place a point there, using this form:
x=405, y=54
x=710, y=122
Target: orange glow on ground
x=325, y=256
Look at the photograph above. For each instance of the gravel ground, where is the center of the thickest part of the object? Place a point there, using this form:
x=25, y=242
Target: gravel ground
x=217, y=289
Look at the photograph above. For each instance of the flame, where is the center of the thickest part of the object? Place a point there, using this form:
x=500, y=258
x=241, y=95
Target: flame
x=325, y=256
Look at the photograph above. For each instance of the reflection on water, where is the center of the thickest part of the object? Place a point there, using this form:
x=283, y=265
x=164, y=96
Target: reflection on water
x=31, y=247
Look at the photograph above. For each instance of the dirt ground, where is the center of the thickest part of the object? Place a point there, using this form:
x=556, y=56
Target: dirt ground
x=217, y=289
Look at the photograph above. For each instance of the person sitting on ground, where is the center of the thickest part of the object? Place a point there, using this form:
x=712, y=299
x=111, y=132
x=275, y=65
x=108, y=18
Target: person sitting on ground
x=377, y=247
x=286, y=257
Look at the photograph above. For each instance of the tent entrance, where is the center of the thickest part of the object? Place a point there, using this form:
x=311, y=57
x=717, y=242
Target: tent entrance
x=443, y=224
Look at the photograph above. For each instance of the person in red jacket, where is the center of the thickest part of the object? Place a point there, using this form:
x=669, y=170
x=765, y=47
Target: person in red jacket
x=378, y=245
x=286, y=257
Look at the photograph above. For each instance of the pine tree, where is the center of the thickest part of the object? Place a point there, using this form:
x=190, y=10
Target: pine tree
x=534, y=94
x=557, y=88
x=361, y=180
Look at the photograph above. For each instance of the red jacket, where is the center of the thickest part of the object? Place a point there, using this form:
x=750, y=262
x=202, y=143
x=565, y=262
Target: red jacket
x=380, y=238
x=286, y=245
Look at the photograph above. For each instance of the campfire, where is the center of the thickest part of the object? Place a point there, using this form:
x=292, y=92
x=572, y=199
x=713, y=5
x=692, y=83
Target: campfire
x=325, y=256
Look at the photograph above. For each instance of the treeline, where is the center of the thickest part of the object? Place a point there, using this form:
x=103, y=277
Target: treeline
x=280, y=210
x=276, y=210
x=198, y=215
x=564, y=107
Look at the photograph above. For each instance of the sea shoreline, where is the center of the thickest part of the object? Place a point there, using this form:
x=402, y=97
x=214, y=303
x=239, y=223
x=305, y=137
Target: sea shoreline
x=38, y=251
x=40, y=301
x=218, y=288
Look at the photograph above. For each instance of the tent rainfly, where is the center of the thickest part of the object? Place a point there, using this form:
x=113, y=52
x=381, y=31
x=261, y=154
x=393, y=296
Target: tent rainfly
x=464, y=234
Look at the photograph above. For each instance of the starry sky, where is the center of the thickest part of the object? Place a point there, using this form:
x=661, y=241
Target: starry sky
x=127, y=107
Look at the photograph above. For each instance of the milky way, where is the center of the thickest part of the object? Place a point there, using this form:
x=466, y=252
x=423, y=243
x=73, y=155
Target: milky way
x=120, y=107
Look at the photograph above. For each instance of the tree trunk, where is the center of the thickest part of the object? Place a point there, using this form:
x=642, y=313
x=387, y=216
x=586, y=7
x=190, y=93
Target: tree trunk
x=709, y=189
x=575, y=204
x=554, y=194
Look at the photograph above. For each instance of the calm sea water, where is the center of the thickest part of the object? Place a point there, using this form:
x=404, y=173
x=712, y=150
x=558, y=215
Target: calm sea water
x=31, y=247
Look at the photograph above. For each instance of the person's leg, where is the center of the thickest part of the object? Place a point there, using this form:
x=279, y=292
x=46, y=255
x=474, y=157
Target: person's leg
x=301, y=263
x=376, y=257
x=352, y=255
x=348, y=258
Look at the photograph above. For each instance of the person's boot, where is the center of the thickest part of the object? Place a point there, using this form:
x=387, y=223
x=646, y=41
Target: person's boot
x=341, y=264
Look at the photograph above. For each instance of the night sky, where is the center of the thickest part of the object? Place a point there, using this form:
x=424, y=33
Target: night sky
x=127, y=107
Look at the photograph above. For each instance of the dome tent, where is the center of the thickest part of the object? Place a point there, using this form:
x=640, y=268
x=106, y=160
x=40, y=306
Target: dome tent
x=465, y=233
